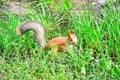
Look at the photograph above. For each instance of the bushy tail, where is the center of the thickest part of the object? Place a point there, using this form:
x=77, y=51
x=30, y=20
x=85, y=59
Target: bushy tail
x=38, y=29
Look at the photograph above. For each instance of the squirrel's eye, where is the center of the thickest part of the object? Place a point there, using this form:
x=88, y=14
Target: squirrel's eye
x=70, y=39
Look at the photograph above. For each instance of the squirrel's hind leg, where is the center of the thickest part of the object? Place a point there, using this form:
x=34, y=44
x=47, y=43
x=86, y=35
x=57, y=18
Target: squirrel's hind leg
x=55, y=49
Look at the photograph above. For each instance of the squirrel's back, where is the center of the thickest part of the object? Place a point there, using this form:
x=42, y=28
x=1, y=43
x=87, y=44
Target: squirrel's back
x=60, y=41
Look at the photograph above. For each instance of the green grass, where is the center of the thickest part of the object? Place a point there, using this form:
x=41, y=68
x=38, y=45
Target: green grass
x=96, y=57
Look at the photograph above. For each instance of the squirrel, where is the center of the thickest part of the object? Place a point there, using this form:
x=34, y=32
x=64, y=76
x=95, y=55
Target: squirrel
x=56, y=43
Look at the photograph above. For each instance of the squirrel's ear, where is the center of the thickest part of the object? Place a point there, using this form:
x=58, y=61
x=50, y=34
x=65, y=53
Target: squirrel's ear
x=72, y=32
x=68, y=33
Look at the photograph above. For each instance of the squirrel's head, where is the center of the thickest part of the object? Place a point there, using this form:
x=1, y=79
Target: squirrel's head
x=72, y=39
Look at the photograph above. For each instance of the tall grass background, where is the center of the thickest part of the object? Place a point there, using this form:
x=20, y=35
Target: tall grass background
x=96, y=56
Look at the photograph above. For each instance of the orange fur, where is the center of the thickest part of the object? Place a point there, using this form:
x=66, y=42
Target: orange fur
x=61, y=42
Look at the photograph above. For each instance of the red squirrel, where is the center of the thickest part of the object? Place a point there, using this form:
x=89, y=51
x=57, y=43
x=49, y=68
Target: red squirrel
x=56, y=43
